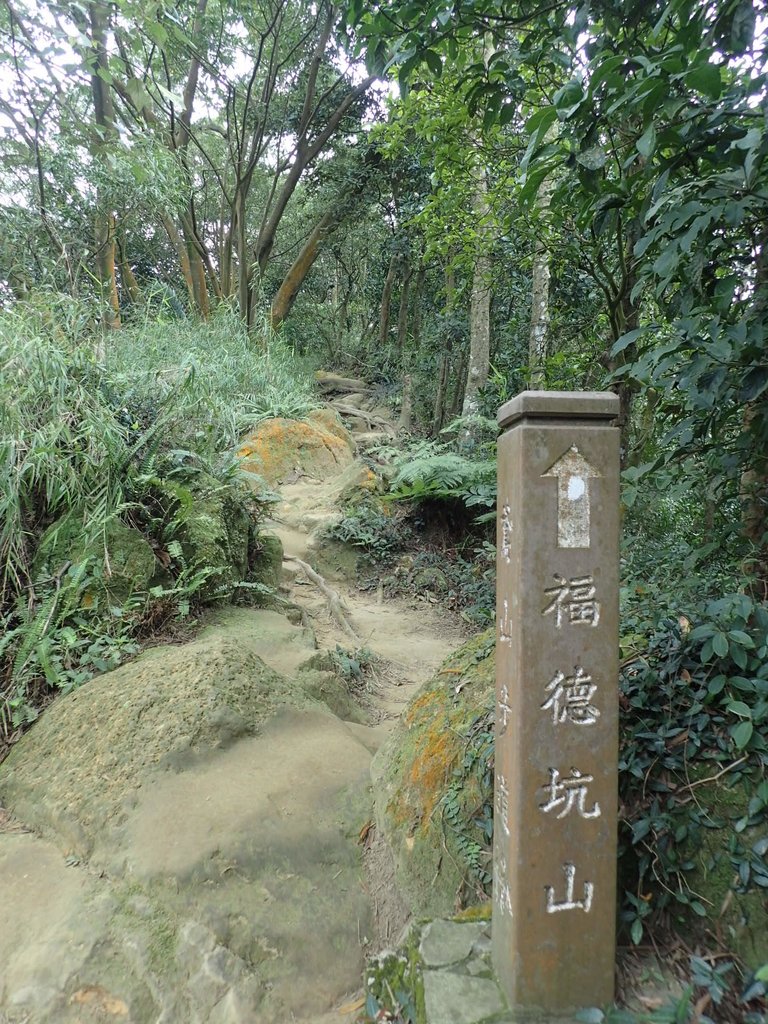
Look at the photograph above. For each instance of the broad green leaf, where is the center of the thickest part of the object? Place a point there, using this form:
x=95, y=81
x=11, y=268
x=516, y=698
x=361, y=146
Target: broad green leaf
x=541, y=120
x=705, y=79
x=627, y=339
x=742, y=734
x=738, y=707
x=646, y=144
x=593, y=159
x=754, y=384
x=568, y=99
x=434, y=63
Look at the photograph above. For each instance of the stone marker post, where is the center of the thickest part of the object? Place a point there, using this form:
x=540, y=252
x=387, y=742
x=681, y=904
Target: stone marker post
x=555, y=818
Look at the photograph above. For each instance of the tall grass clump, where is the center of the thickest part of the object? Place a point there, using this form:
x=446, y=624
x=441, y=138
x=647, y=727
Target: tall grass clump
x=103, y=468
x=236, y=381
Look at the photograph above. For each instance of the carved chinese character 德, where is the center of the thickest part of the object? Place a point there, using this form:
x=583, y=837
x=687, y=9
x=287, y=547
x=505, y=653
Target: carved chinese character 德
x=501, y=890
x=504, y=709
x=502, y=802
x=570, y=698
x=506, y=533
x=505, y=629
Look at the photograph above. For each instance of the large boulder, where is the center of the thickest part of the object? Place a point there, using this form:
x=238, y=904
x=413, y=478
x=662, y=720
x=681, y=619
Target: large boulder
x=317, y=446
x=429, y=794
x=79, y=770
x=198, y=861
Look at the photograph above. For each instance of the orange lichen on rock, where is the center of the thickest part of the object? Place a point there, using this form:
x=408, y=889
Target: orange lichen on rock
x=421, y=767
x=431, y=765
x=313, y=447
x=423, y=702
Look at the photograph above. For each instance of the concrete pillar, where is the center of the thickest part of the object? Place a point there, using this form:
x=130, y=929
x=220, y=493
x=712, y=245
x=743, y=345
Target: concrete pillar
x=555, y=821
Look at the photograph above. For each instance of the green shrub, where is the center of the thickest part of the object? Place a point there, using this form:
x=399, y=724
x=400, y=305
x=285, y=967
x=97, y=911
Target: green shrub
x=694, y=707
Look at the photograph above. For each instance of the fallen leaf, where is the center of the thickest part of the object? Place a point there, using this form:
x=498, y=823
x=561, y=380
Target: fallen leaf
x=358, y=1004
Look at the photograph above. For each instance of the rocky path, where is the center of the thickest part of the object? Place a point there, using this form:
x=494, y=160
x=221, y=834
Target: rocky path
x=409, y=639
x=180, y=839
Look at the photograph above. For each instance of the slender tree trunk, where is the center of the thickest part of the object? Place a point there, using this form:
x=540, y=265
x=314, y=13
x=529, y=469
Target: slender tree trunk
x=539, y=333
x=754, y=478
x=386, y=302
x=406, y=407
x=444, y=372
x=131, y=290
x=480, y=306
x=402, y=315
x=104, y=138
x=438, y=415
x=418, y=289
x=104, y=234
x=458, y=400
x=181, y=251
x=538, y=338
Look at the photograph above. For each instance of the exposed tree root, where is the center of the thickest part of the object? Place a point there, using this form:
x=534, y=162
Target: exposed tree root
x=338, y=608
x=352, y=410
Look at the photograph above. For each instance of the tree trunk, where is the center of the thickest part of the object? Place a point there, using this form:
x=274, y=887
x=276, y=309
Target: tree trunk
x=196, y=267
x=293, y=280
x=539, y=333
x=406, y=408
x=444, y=373
x=104, y=235
x=402, y=316
x=754, y=478
x=458, y=391
x=386, y=301
x=438, y=415
x=104, y=138
x=181, y=251
x=417, y=293
x=479, y=307
x=131, y=290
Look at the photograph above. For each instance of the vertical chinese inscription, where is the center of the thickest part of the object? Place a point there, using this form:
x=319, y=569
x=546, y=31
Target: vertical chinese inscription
x=556, y=700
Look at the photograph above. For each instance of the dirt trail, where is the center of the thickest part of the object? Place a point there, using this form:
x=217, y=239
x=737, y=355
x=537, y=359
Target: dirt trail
x=224, y=888
x=410, y=638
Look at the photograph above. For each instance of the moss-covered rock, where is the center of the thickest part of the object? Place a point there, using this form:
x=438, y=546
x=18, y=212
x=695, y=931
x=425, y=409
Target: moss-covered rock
x=740, y=918
x=356, y=483
x=317, y=446
x=330, y=689
x=217, y=531
x=80, y=768
x=425, y=799
x=127, y=559
x=224, y=880
x=269, y=560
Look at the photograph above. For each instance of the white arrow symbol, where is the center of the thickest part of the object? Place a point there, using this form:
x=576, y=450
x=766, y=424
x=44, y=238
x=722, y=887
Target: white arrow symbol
x=573, y=473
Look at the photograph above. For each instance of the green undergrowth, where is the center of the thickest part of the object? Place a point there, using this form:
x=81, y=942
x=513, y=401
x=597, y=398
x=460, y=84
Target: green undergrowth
x=395, y=985
x=411, y=549
x=122, y=507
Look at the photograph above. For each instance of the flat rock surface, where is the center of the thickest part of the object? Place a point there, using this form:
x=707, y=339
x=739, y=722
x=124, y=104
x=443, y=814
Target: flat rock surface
x=448, y=942
x=460, y=999
x=210, y=901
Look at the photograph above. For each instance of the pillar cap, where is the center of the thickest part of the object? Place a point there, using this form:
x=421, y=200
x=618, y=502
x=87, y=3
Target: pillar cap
x=559, y=405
